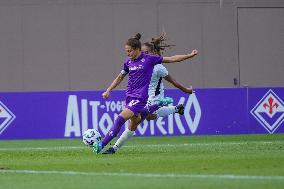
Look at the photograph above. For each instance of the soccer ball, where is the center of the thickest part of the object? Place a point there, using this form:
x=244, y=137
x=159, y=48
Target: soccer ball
x=91, y=136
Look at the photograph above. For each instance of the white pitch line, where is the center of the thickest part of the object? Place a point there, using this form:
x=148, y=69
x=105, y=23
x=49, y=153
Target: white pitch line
x=151, y=175
x=59, y=148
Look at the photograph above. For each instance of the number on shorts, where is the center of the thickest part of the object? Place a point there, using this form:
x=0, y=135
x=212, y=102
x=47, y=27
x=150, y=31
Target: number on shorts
x=133, y=102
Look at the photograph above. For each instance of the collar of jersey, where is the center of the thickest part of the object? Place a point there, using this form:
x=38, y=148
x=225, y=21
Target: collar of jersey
x=139, y=57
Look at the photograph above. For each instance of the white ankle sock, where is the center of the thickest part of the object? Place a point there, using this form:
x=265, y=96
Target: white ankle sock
x=166, y=110
x=125, y=136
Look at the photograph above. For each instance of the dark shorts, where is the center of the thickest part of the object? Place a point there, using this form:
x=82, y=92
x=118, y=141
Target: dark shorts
x=135, y=104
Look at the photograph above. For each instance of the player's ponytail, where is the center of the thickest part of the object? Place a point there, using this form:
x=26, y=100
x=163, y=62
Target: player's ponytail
x=159, y=44
x=135, y=42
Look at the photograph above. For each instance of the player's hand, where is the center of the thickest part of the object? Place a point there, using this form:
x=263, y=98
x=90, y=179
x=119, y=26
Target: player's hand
x=189, y=90
x=194, y=52
x=106, y=94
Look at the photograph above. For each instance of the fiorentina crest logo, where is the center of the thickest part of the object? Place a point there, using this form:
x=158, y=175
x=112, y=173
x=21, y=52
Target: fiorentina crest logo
x=269, y=111
x=6, y=117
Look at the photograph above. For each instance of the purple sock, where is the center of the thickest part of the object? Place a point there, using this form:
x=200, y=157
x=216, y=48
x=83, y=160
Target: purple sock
x=114, y=130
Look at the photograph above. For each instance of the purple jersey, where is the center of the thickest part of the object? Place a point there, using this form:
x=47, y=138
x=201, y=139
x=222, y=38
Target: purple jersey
x=140, y=72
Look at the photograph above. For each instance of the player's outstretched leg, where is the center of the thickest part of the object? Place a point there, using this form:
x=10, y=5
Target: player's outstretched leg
x=125, y=136
x=119, y=121
x=127, y=133
x=168, y=110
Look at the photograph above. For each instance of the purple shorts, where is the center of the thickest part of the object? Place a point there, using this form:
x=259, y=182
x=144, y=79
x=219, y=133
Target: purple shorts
x=135, y=104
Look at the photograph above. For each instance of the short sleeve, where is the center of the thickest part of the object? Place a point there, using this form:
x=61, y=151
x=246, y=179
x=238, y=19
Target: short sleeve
x=157, y=60
x=162, y=71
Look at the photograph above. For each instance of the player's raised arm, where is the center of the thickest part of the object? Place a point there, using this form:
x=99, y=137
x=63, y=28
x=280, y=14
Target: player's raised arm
x=179, y=58
x=113, y=85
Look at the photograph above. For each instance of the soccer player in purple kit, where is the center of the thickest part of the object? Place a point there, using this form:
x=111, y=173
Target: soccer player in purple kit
x=155, y=91
x=139, y=67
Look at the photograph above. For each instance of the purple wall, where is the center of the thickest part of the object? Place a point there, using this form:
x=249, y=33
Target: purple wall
x=25, y=115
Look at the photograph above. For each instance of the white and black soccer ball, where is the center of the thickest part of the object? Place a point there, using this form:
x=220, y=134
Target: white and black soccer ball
x=91, y=136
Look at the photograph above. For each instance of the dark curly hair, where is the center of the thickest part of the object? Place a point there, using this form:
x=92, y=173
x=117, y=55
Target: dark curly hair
x=158, y=45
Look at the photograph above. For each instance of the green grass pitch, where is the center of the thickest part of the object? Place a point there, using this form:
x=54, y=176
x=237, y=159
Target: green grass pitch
x=238, y=161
